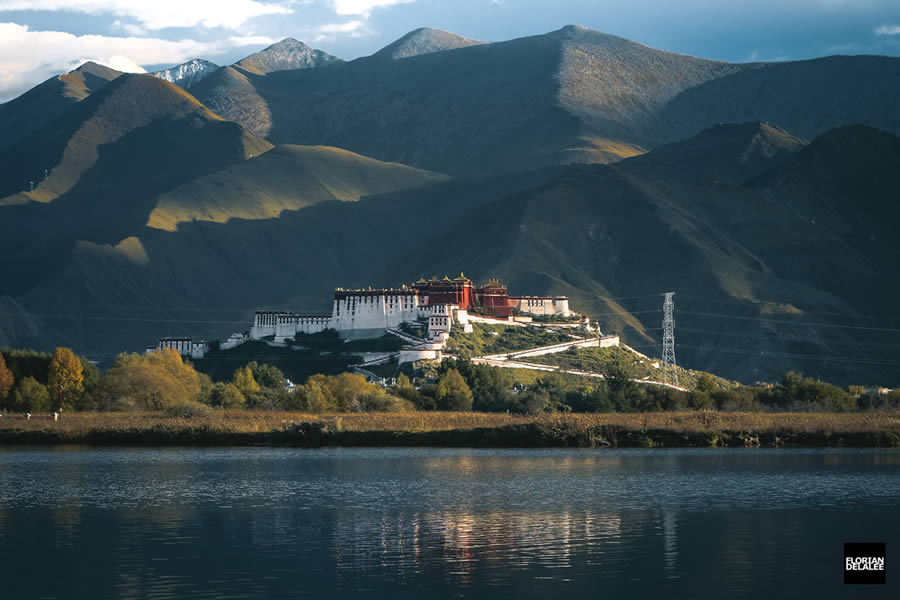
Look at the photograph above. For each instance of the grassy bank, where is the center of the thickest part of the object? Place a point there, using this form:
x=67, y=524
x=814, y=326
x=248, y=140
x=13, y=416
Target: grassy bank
x=462, y=429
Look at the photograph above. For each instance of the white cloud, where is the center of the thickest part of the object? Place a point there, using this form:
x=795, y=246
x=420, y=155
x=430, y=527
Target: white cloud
x=329, y=31
x=348, y=27
x=160, y=14
x=363, y=7
x=29, y=57
x=888, y=30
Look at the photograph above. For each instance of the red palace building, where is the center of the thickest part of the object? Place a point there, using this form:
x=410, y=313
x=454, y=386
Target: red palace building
x=492, y=299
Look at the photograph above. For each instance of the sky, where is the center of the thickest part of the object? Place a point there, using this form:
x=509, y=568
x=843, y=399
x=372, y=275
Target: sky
x=42, y=38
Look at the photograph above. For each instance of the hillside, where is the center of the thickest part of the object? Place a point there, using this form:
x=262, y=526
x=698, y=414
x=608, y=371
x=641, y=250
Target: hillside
x=109, y=157
x=760, y=270
x=233, y=91
x=41, y=104
x=734, y=245
x=572, y=95
x=206, y=278
x=285, y=178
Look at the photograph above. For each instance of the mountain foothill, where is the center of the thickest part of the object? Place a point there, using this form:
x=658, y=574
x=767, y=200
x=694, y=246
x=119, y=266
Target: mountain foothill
x=574, y=163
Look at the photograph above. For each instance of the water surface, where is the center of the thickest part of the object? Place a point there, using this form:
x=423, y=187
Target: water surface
x=398, y=523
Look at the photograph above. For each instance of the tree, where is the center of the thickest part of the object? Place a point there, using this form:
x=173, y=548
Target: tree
x=66, y=377
x=267, y=376
x=31, y=396
x=153, y=381
x=453, y=393
x=226, y=395
x=6, y=379
x=244, y=381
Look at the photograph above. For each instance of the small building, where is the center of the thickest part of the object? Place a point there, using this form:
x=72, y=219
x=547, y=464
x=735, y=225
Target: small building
x=185, y=346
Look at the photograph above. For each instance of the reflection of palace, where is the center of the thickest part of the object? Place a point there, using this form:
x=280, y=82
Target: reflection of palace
x=468, y=540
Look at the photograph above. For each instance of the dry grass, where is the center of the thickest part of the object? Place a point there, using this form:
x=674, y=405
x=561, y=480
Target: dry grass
x=235, y=421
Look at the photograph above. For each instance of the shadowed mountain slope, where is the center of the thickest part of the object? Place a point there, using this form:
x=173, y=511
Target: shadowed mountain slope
x=805, y=98
x=109, y=157
x=738, y=152
x=285, y=178
x=43, y=103
x=572, y=95
x=792, y=271
x=72, y=144
x=773, y=269
x=206, y=278
x=232, y=91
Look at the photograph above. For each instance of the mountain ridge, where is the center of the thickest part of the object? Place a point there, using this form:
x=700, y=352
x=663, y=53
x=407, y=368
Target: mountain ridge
x=187, y=73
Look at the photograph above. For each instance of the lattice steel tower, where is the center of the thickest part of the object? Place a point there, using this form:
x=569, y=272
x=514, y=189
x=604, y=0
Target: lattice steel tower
x=668, y=357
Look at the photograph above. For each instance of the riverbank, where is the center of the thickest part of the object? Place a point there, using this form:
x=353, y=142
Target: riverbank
x=461, y=429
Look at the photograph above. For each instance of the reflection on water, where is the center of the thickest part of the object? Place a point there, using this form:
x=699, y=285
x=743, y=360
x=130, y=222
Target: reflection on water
x=244, y=523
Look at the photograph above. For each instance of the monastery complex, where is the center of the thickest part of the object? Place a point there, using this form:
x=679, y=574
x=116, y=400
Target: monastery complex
x=370, y=312
x=365, y=313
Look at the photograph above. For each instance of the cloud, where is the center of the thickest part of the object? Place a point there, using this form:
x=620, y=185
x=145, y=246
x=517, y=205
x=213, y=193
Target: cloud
x=29, y=57
x=363, y=7
x=355, y=28
x=887, y=30
x=160, y=14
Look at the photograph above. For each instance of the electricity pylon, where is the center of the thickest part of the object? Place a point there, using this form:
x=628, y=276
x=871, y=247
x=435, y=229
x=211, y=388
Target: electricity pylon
x=668, y=357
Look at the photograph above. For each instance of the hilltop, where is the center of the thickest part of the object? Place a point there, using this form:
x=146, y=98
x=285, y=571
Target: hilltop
x=572, y=95
x=424, y=40
x=41, y=104
x=288, y=54
x=187, y=74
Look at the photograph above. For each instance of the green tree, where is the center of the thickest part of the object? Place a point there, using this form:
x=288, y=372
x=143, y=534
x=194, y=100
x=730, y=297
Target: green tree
x=267, y=376
x=244, y=381
x=226, y=395
x=6, y=379
x=65, y=378
x=31, y=396
x=452, y=392
x=621, y=385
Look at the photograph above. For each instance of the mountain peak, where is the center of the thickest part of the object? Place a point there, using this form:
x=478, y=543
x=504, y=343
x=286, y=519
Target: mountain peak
x=188, y=73
x=424, y=40
x=92, y=68
x=288, y=54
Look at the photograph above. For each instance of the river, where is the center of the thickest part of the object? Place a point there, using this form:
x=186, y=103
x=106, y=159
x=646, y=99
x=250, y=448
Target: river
x=442, y=523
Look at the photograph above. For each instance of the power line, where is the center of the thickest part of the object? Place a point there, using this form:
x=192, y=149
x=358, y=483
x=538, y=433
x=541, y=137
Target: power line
x=793, y=323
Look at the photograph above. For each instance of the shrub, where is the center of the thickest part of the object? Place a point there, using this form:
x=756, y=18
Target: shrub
x=31, y=396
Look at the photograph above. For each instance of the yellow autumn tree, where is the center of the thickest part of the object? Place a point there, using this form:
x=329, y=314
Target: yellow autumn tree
x=154, y=381
x=244, y=381
x=6, y=379
x=67, y=373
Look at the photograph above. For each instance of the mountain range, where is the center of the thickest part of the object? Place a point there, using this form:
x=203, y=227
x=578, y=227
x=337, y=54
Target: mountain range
x=574, y=163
